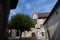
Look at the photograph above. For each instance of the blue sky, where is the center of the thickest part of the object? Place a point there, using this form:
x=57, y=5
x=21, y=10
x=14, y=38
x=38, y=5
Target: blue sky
x=27, y=6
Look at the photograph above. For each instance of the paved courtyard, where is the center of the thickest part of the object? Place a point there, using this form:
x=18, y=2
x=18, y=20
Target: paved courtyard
x=25, y=38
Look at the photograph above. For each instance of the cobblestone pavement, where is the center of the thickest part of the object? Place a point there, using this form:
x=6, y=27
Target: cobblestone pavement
x=26, y=38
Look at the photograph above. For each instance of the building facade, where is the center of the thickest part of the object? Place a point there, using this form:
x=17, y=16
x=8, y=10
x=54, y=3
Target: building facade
x=39, y=28
x=52, y=23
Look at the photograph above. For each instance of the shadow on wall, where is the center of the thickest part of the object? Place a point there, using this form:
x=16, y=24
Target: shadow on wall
x=56, y=34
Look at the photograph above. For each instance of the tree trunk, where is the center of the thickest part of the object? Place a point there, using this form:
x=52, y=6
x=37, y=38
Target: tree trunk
x=20, y=35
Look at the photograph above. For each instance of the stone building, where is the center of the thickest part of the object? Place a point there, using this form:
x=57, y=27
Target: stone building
x=39, y=28
x=52, y=23
x=39, y=19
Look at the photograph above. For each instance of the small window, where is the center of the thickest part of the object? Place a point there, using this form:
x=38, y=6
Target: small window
x=42, y=33
x=56, y=12
x=17, y=33
x=39, y=33
x=38, y=28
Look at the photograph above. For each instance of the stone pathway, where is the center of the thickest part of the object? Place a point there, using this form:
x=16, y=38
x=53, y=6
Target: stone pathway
x=26, y=38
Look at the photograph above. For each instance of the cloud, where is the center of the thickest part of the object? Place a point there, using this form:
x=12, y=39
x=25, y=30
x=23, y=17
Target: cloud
x=40, y=1
x=21, y=1
x=47, y=7
x=12, y=12
x=28, y=6
x=18, y=9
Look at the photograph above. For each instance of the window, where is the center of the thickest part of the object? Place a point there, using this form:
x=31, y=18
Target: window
x=42, y=33
x=39, y=33
x=37, y=28
x=17, y=33
x=57, y=13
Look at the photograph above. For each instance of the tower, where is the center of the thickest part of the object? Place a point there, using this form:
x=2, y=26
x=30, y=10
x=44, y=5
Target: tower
x=35, y=15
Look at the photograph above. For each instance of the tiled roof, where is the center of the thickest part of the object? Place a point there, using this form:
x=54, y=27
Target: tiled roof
x=43, y=15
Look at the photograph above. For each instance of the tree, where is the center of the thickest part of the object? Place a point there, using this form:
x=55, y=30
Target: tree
x=21, y=22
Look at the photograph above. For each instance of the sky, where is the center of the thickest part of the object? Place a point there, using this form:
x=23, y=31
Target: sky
x=27, y=7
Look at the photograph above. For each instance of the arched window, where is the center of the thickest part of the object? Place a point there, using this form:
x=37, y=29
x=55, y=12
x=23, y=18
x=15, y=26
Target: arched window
x=33, y=34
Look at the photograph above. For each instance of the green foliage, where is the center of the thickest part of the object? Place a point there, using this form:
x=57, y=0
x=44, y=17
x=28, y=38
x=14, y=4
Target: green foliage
x=21, y=22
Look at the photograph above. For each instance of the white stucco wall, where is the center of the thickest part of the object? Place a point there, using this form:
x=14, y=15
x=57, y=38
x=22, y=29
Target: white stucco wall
x=28, y=34
x=39, y=22
x=39, y=31
x=13, y=32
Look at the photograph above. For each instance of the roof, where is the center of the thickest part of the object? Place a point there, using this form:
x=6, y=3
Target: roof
x=53, y=10
x=13, y=4
x=43, y=15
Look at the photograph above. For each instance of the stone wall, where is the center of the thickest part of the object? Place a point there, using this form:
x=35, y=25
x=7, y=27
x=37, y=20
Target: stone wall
x=52, y=25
